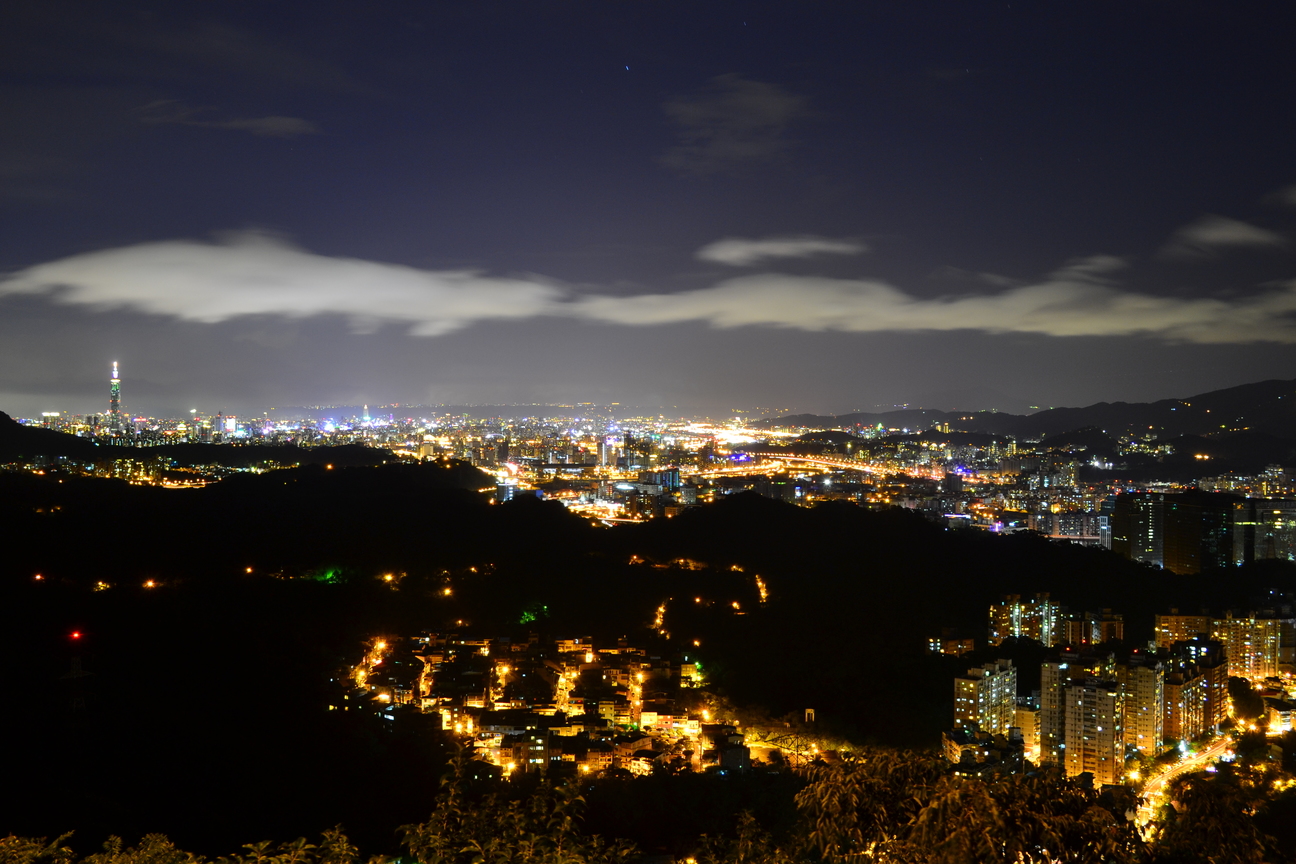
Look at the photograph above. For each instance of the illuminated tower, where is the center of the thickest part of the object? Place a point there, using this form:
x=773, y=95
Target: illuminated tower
x=114, y=401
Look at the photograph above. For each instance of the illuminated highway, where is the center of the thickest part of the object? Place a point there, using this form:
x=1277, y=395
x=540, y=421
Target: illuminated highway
x=841, y=464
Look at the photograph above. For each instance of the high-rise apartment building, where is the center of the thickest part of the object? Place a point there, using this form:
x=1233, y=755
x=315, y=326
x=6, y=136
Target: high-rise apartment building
x=1196, y=689
x=1180, y=628
x=1095, y=736
x=1252, y=644
x=1091, y=629
x=1036, y=618
x=1056, y=674
x=1027, y=719
x=987, y=696
x=1174, y=628
x=1142, y=680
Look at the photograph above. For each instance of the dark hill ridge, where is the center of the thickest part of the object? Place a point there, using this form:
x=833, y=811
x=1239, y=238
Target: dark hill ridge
x=1263, y=406
x=18, y=442
x=240, y=662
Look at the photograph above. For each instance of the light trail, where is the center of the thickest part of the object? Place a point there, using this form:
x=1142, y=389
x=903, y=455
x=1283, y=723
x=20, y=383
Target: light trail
x=1154, y=788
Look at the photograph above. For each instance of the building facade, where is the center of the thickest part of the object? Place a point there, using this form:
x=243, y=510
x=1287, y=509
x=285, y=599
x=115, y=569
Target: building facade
x=1142, y=680
x=987, y=696
x=1252, y=644
x=1095, y=736
x=1036, y=619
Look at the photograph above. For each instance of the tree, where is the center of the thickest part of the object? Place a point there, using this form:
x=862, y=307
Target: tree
x=542, y=829
x=1210, y=818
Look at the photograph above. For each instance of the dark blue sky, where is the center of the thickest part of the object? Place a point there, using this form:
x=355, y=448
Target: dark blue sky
x=807, y=206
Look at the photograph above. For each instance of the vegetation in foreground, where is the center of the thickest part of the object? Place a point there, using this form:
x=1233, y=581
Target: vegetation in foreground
x=884, y=805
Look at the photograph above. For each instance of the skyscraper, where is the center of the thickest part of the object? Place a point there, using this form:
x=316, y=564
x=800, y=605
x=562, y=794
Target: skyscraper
x=1137, y=526
x=1197, y=531
x=114, y=402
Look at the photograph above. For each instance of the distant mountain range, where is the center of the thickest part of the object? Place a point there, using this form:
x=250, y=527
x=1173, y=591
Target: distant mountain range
x=1266, y=407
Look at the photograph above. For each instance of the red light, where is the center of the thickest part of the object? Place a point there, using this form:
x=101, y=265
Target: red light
x=76, y=634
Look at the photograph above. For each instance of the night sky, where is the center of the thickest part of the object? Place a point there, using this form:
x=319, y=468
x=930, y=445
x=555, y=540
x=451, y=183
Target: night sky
x=787, y=206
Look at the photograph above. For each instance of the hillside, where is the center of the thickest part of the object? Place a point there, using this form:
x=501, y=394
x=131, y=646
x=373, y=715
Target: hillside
x=1264, y=406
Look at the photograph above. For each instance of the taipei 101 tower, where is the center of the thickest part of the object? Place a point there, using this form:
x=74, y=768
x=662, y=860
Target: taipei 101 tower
x=114, y=402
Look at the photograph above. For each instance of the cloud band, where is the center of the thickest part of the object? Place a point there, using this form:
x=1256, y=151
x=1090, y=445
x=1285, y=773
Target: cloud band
x=250, y=274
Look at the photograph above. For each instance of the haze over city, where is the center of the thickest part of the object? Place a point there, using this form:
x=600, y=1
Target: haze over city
x=763, y=206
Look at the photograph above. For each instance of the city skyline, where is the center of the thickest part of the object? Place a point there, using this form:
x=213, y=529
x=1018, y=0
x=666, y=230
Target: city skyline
x=824, y=210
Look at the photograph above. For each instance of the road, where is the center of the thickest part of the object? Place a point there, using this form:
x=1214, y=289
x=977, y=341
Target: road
x=1155, y=787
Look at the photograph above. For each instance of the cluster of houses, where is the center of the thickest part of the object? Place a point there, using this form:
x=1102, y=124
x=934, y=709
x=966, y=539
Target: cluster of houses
x=546, y=705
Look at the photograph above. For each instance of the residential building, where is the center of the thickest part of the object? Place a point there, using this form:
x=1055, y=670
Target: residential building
x=1036, y=619
x=1196, y=689
x=1094, y=734
x=1174, y=628
x=1142, y=680
x=1251, y=643
x=987, y=696
x=1091, y=629
x=1056, y=674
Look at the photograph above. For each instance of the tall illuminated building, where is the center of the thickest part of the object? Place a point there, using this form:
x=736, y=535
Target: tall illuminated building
x=1094, y=733
x=1138, y=525
x=987, y=697
x=1057, y=674
x=1142, y=681
x=1252, y=644
x=1174, y=628
x=1196, y=689
x=1035, y=619
x=114, y=402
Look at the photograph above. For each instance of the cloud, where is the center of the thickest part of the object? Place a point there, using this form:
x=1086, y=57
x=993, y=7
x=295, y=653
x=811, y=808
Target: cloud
x=741, y=252
x=732, y=123
x=1079, y=299
x=252, y=274
x=1210, y=234
x=1285, y=197
x=274, y=126
x=173, y=112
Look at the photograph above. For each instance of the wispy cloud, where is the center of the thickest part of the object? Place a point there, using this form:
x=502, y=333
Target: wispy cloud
x=742, y=252
x=252, y=274
x=1210, y=234
x=1079, y=299
x=732, y=123
x=1285, y=196
x=256, y=275
x=173, y=112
